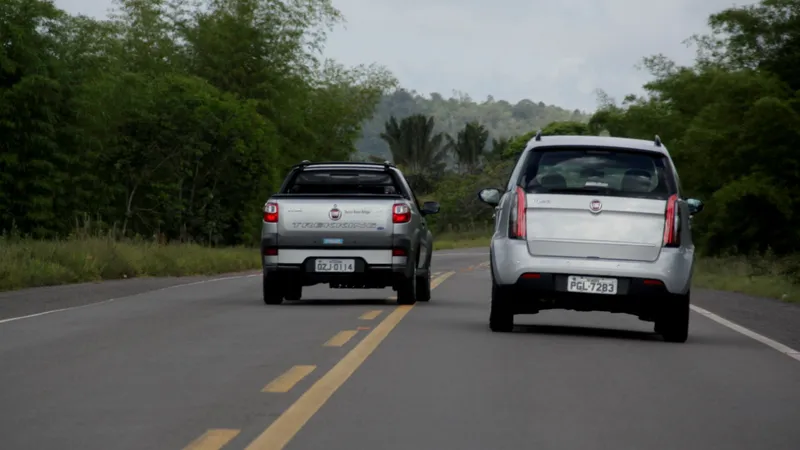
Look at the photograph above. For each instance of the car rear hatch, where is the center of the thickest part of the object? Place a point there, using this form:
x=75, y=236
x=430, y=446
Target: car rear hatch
x=600, y=203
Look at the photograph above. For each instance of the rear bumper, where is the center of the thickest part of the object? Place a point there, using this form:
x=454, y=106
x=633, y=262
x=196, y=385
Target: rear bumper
x=674, y=268
x=549, y=291
x=374, y=266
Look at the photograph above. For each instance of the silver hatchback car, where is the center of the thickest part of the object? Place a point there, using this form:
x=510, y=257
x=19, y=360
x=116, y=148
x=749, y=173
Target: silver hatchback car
x=590, y=223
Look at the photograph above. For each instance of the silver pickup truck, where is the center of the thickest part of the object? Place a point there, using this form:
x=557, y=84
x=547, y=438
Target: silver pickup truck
x=349, y=224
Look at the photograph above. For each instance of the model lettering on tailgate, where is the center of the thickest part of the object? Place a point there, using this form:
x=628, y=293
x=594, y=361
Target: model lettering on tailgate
x=335, y=225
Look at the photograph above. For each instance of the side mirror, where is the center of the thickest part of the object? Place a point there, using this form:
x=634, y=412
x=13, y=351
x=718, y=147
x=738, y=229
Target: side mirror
x=430, y=208
x=695, y=206
x=490, y=196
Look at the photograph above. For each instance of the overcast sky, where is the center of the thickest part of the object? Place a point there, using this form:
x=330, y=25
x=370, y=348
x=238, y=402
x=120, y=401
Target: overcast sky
x=557, y=52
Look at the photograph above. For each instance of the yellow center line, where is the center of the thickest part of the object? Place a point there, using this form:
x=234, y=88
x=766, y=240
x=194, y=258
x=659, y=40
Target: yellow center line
x=286, y=382
x=213, y=439
x=341, y=338
x=370, y=315
x=286, y=426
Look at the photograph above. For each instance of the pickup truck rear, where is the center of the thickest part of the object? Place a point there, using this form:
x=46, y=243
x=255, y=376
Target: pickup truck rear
x=348, y=224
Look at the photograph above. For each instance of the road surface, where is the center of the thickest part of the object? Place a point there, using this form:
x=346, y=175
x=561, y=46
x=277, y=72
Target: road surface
x=209, y=366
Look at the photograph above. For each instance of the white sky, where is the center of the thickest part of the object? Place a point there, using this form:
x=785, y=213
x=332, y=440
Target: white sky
x=557, y=52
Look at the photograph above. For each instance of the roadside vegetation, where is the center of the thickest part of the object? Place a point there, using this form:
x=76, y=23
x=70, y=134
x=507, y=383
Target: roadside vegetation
x=173, y=121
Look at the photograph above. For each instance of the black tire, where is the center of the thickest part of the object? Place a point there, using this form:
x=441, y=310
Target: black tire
x=501, y=320
x=673, y=325
x=273, y=294
x=424, y=287
x=294, y=292
x=407, y=290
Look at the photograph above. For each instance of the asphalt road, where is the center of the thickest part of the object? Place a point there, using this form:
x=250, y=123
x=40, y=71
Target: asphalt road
x=208, y=366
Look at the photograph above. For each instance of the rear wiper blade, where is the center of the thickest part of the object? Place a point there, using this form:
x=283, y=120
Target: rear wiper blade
x=585, y=190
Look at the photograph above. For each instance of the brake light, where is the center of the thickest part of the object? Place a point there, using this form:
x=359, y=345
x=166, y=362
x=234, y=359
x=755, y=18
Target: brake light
x=270, y=251
x=399, y=252
x=517, y=224
x=271, y=212
x=672, y=223
x=401, y=213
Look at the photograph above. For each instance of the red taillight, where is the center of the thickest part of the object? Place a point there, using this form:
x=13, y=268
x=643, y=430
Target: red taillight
x=653, y=283
x=517, y=224
x=399, y=252
x=271, y=212
x=672, y=222
x=270, y=251
x=401, y=213
x=531, y=276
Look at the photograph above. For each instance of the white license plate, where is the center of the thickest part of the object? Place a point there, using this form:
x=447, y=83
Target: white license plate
x=335, y=265
x=592, y=285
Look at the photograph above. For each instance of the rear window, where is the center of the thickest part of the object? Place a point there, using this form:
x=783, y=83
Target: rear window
x=338, y=181
x=597, y=171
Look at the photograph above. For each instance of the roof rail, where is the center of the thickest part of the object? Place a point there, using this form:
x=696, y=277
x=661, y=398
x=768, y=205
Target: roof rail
x=538, y=135
x=658, y=141
x=305, y=163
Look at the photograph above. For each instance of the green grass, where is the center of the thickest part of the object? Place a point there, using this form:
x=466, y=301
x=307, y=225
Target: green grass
x=30, y=263
x=768, y=277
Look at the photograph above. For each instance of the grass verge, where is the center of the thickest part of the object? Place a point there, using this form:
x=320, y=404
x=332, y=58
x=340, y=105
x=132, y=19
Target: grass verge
x=758, y=276
x=30, y=263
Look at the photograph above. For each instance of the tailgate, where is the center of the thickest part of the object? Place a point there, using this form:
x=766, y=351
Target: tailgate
x=331, y=221
x=625, y=228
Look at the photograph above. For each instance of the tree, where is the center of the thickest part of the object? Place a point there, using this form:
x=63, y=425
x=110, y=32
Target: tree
x=468, y=146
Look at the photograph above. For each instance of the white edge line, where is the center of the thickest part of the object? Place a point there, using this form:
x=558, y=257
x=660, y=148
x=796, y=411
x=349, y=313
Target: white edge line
x=30, y=316
x=786, y=350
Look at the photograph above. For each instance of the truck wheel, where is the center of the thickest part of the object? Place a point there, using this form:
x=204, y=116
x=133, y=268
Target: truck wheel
x=424, y=287
x=673, y=323
x=407, y=290
x=294, y=292
x=273, y=294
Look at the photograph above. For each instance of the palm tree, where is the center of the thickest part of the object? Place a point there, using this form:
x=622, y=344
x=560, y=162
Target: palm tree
x=468, y=146
x=414, y=145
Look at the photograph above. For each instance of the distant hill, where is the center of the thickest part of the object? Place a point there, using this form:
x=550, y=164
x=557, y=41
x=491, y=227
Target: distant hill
x=500, y=117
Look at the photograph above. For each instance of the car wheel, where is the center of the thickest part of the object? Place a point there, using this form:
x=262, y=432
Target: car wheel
x=424, y=287
x=673, y=325
x=407, y=291
x=273, y=294
x=501, y=320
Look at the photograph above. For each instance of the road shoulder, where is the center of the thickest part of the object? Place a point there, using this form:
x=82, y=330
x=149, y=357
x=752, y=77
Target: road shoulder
x=39, y=300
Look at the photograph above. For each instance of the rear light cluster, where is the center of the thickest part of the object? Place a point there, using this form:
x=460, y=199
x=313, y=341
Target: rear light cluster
x=672, y=223
x=517, y=223
x=271, y=212
x=401, y=213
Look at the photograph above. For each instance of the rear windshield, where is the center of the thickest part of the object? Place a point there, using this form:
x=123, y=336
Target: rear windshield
x=338, y=181
x=597, y=171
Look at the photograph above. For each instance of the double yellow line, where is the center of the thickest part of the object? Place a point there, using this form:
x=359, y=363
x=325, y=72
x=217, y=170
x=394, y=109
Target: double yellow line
x=288, y=424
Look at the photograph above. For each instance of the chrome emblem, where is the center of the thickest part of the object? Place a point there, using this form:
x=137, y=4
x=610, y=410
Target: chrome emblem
x=335, y=213
x=595, y=206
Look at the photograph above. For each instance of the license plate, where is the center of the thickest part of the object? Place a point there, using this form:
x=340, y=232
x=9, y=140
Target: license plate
x=592, y=285
x=335, y=265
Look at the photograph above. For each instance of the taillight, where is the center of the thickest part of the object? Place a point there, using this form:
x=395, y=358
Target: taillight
x=517, y=224
x=399, y=252
x=672, y=223
x=401, y=213
x=271, y=212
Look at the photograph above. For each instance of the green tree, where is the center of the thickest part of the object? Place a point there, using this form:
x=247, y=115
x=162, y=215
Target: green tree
x=468, y=146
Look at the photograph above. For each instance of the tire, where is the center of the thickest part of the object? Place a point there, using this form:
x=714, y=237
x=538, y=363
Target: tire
x=272, y=292
x=294, y=292
x=673, y=325
x=424, y=287
x=501, y=320
x=407, y=290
